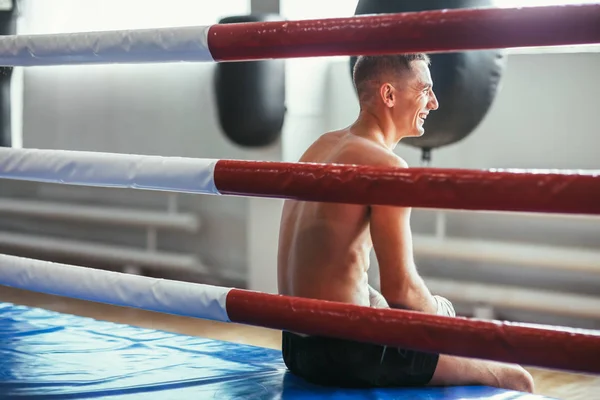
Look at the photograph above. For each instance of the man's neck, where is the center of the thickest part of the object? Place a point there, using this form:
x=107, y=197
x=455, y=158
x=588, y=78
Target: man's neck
x=379, y=129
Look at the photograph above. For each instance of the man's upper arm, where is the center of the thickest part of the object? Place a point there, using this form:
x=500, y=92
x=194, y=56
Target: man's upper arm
x=393, y=245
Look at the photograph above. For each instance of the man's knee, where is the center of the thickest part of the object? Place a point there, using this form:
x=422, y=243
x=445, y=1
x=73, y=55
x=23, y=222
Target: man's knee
x=517, y=378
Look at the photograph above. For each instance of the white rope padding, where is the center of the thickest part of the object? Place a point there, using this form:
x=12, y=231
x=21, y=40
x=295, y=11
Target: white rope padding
x=121, y=46
x=174, y=174
x=152, y=294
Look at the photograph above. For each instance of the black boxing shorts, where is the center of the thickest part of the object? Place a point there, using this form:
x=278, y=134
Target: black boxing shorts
x=344, y=363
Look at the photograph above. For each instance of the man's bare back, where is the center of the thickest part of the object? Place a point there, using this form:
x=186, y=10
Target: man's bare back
x=324, y=247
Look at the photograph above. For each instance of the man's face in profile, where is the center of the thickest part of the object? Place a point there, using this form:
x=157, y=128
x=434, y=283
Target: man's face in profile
x=415, y=99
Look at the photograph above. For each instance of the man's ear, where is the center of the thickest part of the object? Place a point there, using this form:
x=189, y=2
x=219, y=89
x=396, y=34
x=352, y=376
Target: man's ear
x=386, y=91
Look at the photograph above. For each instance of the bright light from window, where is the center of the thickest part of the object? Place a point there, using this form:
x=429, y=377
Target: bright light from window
x=59, y=16
x=313, y=9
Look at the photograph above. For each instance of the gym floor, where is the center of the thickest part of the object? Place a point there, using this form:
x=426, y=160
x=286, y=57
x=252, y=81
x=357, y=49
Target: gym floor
x=559, y=385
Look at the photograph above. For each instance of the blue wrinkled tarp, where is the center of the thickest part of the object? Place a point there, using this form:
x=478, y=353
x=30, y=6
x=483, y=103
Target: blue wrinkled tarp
x=51, y=355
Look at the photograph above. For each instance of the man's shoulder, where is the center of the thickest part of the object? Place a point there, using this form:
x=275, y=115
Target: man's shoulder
x=397, y=161
x=341, y=147
x=377, y=155
x=330, y=147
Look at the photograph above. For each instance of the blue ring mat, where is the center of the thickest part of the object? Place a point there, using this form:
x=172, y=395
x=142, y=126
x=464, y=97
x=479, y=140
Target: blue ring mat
x=49, y=355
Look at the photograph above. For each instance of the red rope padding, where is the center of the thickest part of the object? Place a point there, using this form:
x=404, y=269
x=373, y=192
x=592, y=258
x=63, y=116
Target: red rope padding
x=532, y=191
x=494, y=340
x=427, y=31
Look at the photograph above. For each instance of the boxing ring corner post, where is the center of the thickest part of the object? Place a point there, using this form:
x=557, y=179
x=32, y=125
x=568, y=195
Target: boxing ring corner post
x=525, y=344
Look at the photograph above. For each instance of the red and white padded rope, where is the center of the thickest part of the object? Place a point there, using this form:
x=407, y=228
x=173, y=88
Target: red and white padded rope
x=426, y=31
x=533, y=345
x=550, y=191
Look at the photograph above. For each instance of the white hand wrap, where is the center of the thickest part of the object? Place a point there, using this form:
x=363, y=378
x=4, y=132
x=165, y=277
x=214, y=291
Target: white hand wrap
x=444, y=306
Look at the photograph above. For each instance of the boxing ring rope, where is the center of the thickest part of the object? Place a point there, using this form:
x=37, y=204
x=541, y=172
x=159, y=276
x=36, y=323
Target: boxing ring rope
x=553, y=191
x=426, y=31
x=535, y=345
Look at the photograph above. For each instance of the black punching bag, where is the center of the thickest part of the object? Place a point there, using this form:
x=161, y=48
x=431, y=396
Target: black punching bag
x=8, y=17
x=465, y=83
x=250, y=95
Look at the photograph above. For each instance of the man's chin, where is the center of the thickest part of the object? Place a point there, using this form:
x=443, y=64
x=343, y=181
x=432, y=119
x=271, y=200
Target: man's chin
x=418, y=133
x=414, y=134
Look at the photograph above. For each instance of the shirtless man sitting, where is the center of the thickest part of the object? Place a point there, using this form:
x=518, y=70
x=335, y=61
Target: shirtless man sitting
x=324, y=247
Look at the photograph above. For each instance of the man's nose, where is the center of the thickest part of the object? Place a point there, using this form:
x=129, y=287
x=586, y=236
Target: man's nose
x=433, y=102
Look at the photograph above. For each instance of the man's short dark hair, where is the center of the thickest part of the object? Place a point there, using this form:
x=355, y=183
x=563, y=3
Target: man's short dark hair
x=370, y=68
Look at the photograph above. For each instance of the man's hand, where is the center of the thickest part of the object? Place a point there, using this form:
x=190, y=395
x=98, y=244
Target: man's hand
x=376, y=300
x=444, y=306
